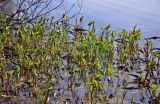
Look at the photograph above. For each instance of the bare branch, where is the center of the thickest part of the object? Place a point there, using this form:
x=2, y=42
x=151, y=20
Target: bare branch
x=28, y=11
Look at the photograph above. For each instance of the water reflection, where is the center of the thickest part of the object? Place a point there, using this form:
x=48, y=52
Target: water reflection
x=124, y=14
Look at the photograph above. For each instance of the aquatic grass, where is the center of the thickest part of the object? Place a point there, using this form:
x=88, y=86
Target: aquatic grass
x=50, y=65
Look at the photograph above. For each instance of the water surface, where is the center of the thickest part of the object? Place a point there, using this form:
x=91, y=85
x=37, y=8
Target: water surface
x=124, y=14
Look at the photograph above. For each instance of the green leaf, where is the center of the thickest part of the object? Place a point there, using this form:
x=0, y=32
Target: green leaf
x=154, y=89
x=52, y=17
x=148, y=43
x=107, y=27
x=97, y=64
x=113, y=35
x=95, y=83
x=37, y=50
x=17, y=68
x=63, y=15
x=98, y=76
x=77, y=43
x=35, y=71
x=101, y=28
x=67, y=18
x=81, y=19
x=132, y=100
x=110, y=71
x=76, y=24
x=98, y=42
x=76, y=69
x=151, y=63
x=155, y=53
x=25, y=30
x=92, y=22
x=8, y=28
x=84, y=61
x=31, y=63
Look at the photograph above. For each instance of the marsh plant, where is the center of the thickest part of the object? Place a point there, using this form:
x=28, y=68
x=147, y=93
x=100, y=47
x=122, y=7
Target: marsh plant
x=55, y=62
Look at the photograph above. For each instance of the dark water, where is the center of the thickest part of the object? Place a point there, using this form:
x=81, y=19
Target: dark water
x=124, y=14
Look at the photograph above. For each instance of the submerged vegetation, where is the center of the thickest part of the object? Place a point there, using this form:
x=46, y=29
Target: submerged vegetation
x=54, y=62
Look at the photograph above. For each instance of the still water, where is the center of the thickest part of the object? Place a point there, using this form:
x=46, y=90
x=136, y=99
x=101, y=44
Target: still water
x=124, y=14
